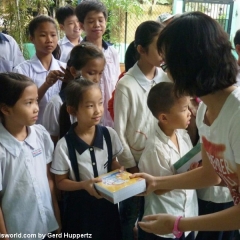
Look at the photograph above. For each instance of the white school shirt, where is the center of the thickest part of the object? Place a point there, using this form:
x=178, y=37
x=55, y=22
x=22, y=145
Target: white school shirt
x=109, y=79
x=34, y=69
x=51, y=116
x=132, y=118
x=25, y=194
x=221, y=141
x=66, y=47
x=61, y=163
x=157, y=159
x=10, y=54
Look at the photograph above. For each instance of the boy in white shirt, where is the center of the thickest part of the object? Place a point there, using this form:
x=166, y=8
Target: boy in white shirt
x=168, y=143
x=68, y=22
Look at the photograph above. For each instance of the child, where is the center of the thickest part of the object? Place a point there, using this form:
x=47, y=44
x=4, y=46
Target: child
x=199, y=69
x=92, y=16
x=27, y=187
x=43, y=68
x=11, y=55
x=68, y=23
x=132, y=119
x=85, y=60
x=87, y=151
x=236, y=41
x=168, y=143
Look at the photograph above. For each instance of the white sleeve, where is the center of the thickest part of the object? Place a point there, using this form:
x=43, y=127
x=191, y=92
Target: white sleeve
x=51, y=117
x=60, y=163
x=117, y=147
x=121, y=114
x=17, y=54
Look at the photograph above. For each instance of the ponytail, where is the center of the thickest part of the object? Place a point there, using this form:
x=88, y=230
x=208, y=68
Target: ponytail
x=64, y=120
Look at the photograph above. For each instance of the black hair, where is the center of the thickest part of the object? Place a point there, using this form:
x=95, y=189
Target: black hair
x=198, y=54
x=63, y=13
x=161, y=98
x=130, y=56
x=73, y=97
x=34, y=24
x=82, y=53
x=145, y=33
x=87, y=6
x=236, y=39
x=12, y=85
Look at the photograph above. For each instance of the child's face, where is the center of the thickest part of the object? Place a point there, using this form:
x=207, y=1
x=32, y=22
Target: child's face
x=179, y=115
x=152, y=56
x=25, y=111
x=94, y=25
x=71, y=27
x=93, y=69
x=90, y=110
x=45, y=38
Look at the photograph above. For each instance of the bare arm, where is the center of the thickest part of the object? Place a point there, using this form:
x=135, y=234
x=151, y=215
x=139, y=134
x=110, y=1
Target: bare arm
x=115, y=165
x=54, y=198
x=225, y=220
x=3, y=229
x=65, y=184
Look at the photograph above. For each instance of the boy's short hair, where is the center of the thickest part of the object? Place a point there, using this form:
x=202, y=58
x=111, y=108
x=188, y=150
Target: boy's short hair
x=64, y=12
x=236, y=39
x=87, y=6
x=198, y=54
x=161, y=98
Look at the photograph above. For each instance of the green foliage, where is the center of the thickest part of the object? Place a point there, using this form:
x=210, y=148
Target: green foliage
x=116, y=16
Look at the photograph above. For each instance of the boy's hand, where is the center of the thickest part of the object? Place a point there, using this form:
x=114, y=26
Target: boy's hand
x=67, y=75
x=89, y=187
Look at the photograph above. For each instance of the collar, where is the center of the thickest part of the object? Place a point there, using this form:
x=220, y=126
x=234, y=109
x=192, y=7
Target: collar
x=38, y=67
x=14, y=146
x=65, y=40
x=105, y=44
x=3, y=37
x=145, y=83
x=82, y=146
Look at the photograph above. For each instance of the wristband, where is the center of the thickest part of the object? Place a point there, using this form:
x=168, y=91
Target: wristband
x=175, y=231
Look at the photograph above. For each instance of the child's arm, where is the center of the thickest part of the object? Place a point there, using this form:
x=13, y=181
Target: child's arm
x=53, y=195
x=116, y=165
x=3, y=229
x=65, y=184
x=51, y=79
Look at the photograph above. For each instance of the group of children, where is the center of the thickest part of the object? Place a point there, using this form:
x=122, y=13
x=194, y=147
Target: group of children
x=148, y=112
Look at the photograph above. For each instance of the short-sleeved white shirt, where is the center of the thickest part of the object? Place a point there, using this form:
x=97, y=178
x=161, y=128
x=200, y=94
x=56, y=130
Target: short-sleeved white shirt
x=157, y=159
x=61, y=163
x=25, y=194
x=221, y=141
x=66, y=47
x=34, y=69
x=51, y=115
x=10, y=54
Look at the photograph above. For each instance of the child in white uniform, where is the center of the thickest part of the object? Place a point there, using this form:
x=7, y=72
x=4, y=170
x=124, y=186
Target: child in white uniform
x=85, y=60
x=87, y=151
x=92, y=16
x=168, y=142
x=10, y=54
x=27, y=195
x=197, y=52
x=132, y=118
x=68, y=22
x=43, y=68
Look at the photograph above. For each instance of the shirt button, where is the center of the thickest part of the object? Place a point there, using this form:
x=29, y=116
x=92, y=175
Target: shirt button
x=93, y=163
x=91, y=149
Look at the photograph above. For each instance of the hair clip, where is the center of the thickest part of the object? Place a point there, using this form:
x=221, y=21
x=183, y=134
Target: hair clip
x=83, y=45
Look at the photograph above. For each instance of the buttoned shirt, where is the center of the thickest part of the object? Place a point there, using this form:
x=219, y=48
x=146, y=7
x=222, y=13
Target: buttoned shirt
x=10, y=54
x=25, y=194
x=62, y=164
x=157, y=159
x=66, y=47
x=34, y=69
